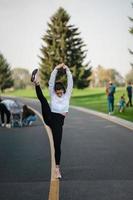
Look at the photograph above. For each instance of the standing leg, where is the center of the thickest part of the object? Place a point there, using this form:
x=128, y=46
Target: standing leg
x=109, y=104
x=5, y=111
x=112, y=104
x=8, y=116
x=2, y=113
x=57, y=138
x=130, y=100
x=46, y=111
x=2, y=117
x=57, y=129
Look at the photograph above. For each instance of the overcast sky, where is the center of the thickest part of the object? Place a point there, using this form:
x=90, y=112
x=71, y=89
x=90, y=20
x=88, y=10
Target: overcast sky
x=103, y=25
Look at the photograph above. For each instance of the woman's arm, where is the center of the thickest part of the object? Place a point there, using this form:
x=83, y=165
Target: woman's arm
x=53, y=77
x=69, y=81
x=52, y=80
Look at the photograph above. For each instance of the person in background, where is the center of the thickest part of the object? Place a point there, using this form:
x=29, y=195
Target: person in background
x=28, y=116
x=6, y=107
x=4, y=111
x=110, y=91
x=122, y=104
x=129, y=94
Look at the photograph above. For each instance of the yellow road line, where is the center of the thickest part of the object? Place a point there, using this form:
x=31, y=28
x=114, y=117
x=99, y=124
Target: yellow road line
x=54, y=183
x=54, y=190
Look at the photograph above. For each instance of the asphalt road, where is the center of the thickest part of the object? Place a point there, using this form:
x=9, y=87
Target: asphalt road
x=24, y=162
x=96, y=160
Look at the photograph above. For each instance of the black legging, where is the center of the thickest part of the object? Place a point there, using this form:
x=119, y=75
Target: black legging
x=4, y=111
x=54, y=120
x=129, y=100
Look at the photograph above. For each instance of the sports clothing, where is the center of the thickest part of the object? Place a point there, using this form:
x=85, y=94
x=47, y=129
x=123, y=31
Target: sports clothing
x=60, y=104
x=53, y=114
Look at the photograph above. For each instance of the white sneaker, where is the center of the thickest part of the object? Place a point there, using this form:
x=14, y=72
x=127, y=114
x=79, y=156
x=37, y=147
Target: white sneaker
x=58, y=173
x=8, y=125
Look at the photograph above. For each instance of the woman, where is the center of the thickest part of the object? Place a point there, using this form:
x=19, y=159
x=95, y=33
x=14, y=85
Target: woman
x=28, y=116
x=54, y=114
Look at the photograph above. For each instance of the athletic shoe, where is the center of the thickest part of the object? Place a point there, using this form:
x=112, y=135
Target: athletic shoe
x=8, y=125
x=58, y=173
x=33, y=76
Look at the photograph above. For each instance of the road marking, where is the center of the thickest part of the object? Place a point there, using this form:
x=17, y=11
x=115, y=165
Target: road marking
x=54, y=183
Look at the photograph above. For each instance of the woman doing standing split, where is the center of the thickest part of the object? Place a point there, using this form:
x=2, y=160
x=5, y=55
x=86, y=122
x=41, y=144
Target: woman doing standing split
x=54, y=114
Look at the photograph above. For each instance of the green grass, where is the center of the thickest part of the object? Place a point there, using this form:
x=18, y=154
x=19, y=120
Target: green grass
x=92, y=98
x=29, y=93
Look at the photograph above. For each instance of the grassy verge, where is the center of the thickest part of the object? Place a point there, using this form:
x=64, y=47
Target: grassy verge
x=92, y=98
x=28, y=93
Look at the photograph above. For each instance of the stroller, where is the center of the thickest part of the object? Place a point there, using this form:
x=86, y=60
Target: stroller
x=16, y=115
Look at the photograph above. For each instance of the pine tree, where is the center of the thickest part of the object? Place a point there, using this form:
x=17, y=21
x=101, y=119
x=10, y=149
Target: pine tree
x=5, y=74
x=62, y=43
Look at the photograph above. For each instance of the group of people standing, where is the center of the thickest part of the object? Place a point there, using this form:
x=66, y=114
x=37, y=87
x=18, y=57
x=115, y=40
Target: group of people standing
x=110, y=91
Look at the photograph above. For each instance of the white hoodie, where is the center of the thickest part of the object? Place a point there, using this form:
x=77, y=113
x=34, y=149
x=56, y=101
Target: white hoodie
x=60, y=104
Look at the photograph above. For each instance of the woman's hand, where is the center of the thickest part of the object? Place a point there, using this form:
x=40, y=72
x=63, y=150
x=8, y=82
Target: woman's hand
x=60, y=66
x=65, y=66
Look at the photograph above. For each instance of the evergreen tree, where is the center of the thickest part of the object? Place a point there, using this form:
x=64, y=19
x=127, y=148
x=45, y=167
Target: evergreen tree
x=5, y=74
x=129, y=76
x=62, y=43
x=131, y=31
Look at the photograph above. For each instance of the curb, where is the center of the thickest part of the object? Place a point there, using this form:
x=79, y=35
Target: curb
x=54, y=182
